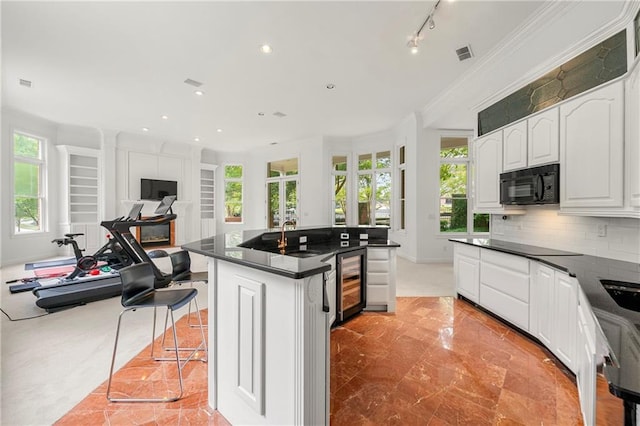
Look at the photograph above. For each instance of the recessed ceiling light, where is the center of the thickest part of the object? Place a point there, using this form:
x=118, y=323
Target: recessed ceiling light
x=219, y=130
x=196, y=139
x=165, y=117
x=331, y=86
x=265, y=48
x=199, y=92
x=145, y=129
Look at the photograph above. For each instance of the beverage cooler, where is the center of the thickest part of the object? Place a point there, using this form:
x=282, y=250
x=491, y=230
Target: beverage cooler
x=351, y=286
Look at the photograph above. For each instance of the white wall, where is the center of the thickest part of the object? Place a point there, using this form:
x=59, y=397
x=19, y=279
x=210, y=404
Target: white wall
x=543, y=226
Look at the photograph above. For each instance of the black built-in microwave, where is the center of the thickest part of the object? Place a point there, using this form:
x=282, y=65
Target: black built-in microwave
x=537, y=185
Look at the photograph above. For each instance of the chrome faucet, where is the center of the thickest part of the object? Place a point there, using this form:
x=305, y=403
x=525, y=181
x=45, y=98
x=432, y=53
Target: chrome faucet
x=282, y=242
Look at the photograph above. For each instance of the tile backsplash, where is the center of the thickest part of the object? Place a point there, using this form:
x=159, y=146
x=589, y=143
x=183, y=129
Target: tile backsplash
x=614, y=238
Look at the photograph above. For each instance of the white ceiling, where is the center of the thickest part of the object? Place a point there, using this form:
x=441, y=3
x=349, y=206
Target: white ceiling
x=122, y=65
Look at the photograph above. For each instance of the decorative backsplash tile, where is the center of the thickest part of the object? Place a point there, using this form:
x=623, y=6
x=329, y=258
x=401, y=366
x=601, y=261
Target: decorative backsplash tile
x=601, y=63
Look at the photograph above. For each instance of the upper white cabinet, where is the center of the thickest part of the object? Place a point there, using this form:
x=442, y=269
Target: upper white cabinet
x=632, y=145
x=591, y=149
x=542, y=136
x=488, y=166
x=515, y=146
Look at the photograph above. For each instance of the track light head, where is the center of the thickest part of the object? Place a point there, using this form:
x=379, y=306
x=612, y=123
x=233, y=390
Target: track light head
x=432, y=24
x=412, y=44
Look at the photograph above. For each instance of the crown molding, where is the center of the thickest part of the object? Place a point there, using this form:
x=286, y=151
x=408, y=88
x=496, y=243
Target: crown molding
x=548, y=14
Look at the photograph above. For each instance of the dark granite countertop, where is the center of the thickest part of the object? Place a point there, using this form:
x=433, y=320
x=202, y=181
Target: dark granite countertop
x=622, y=328
x=258, y=248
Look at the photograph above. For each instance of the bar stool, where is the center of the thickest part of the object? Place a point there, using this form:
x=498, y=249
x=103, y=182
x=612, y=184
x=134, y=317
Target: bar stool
x=138, y=292
x=181, y=274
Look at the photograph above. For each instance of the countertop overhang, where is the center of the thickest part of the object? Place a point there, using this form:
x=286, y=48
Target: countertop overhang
x=262, y=253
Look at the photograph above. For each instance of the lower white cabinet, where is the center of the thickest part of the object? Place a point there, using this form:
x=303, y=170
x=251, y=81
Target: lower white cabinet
x=553, y=311
x=564, y=316
x=466, y=270
x=330, y=283
x=586, y=361
x=504, y=286
x=381, y=279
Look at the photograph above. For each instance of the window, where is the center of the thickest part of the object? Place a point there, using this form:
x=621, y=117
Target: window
x=339, y=197
x=455, y=211
x=402, y=175
x=282, y=192
x=233, y=193
x=374, y=188
x=28, y=183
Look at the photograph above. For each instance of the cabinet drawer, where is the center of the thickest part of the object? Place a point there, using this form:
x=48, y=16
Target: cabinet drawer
x=466, y=250
x=506, y=261
x=377, y=254
x=377, y=266
x=509, y=308
x=377, y=278
x=377, y=295
x=512, y=283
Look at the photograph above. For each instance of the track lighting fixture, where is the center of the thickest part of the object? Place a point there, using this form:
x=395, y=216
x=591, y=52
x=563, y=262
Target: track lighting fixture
x=412, y=44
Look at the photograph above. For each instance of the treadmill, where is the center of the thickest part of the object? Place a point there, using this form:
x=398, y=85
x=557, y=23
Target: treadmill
x=76, y=290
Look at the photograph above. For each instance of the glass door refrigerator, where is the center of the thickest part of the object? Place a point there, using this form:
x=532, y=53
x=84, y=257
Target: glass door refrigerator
x=351, y=283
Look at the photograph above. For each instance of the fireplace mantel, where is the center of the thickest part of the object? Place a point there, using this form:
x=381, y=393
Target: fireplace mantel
x=181, y=234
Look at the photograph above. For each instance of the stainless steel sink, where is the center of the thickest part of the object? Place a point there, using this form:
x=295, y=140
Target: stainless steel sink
x=625, y=294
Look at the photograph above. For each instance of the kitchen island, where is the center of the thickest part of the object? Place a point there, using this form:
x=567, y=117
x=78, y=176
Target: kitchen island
x=269, y=316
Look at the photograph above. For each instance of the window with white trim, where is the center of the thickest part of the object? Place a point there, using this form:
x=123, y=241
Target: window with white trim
x=401, y=192
x=340, y=178
x=456, y=214
x=233, y=193
x=29, y=184
x=374, y=188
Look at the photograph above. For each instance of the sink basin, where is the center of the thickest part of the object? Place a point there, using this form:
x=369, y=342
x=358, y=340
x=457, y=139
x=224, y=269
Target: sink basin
x=295, y=252
x=626, y=294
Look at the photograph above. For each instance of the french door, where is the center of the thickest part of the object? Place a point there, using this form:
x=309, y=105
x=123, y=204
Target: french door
x=282, y=201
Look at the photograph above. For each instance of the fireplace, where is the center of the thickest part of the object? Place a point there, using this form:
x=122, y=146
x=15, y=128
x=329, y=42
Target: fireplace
x=156, y=235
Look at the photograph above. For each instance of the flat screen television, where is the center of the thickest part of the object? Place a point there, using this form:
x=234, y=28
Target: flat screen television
x=154, y=189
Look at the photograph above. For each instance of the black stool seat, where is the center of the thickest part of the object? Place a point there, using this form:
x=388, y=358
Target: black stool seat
x=172, y=299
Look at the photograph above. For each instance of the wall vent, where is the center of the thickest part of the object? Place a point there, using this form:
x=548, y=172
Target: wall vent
x=23, y=82
x=193, y=82
x=279, y=114
x=464, y=53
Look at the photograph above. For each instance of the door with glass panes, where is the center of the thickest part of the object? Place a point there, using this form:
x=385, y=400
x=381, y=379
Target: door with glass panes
x=282, y=192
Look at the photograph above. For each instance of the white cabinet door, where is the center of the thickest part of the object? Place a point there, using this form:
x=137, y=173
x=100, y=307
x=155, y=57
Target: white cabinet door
x=515, y=146
x=591, y=149
x=564, y=318
x=632, y=155
x=543, y=292
x=585, y=361
x=466, y=265
x=488, y=166
x=542, y=138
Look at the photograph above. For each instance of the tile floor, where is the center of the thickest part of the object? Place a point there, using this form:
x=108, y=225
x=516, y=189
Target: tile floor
x=437, y=361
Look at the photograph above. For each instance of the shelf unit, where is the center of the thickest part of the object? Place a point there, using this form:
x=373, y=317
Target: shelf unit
x=207, y=194
x=81, y=188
